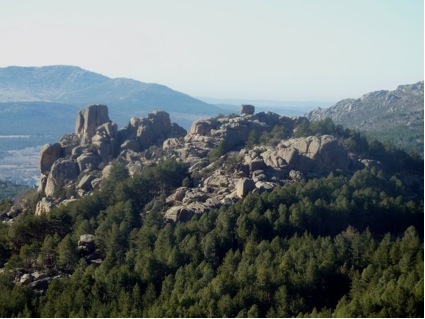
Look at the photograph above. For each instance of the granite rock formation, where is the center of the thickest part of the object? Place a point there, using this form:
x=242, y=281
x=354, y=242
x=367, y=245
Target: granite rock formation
x=79, y=162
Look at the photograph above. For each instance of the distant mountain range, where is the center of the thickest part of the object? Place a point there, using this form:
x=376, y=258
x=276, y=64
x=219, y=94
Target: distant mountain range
x=397, y=116
x=288, y=108
x=76, y=87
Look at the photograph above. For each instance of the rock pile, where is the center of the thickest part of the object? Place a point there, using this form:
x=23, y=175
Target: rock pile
x=78, y=163
x=75, y=165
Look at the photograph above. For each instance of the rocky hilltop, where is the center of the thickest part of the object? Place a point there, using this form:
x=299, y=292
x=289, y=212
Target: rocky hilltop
x=149, y=201
x=222, y=168
x=393, y=115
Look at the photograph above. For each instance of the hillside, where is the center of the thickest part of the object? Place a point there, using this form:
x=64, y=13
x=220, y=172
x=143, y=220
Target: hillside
x=250, y=216
x=74, y=86
x=397, y=116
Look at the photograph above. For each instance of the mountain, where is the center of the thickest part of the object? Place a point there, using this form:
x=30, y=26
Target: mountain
x=396, y=115
x=70, y=85
x=250, y=215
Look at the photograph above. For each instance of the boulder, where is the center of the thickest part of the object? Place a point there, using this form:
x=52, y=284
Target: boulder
x=264, y=186
x=26, y=279
x=269, y=118
x=179, y=213
x=43, y=181
x=244, y=186
x=48, y=155
x=85, y=182
x=203, y=127
x=258, y=176
x=88, y=161
x=90, y=118
x=61, y=173
x=247, y=109
x=45, y=205
x=68, y=143
x=314, y=154
x=290, y=155
x=86, y=244
x=178, y=194
x=154, y=129
x=257, y=164
x=296, y=175
x=170, y=143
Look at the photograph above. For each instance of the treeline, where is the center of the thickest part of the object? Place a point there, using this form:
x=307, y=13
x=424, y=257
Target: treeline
x=336, y=246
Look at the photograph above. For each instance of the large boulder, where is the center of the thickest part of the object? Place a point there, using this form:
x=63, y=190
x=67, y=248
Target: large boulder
x=203, y=127
x=89, y=119
x=88, y=161
x=247, y=109
x=318, y=154
x=85, y=182
x=179, y=213
x=153, y=130
x=61, y=173
x=48, y=155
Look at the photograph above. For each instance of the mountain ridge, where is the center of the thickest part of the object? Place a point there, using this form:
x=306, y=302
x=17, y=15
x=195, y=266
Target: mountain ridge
x=76, y=86
x=395, y=115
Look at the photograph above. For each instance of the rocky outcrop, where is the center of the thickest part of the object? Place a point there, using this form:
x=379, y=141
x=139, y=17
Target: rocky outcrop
x=62, y=172
x=86, y=158
x=314, y=155
x=75, y=165
x=179, y=213
x=153, y=130
x=89, y=119
x=383, y=114
x=48, y=155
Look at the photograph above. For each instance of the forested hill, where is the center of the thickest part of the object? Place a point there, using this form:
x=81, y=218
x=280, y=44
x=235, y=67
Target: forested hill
x=258, y=215
x=396, y=116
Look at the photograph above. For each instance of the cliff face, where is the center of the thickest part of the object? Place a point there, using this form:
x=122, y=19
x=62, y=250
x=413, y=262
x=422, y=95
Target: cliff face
x=395, y=115
x=77, y=164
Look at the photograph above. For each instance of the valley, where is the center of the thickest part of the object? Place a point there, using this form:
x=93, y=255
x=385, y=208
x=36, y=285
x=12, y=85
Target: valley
x=20, y=166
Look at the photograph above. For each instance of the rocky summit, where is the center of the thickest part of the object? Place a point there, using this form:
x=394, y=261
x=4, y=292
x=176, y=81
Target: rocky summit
x=396, y=115
x=223, y=167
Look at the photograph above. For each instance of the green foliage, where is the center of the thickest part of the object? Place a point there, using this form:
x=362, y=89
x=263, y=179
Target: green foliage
x=337, y=246
x=10, y=191
x=220, y=150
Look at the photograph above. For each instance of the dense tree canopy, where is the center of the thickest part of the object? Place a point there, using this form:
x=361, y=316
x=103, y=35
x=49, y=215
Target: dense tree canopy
x=343, y=246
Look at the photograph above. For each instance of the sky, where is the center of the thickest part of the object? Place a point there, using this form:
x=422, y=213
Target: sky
x=291, y=50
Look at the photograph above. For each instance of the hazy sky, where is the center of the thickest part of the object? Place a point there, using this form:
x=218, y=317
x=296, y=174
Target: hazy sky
x=251, y=49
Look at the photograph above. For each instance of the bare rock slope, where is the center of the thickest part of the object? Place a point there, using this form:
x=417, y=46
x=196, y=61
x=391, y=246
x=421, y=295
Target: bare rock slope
x=396, y=115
